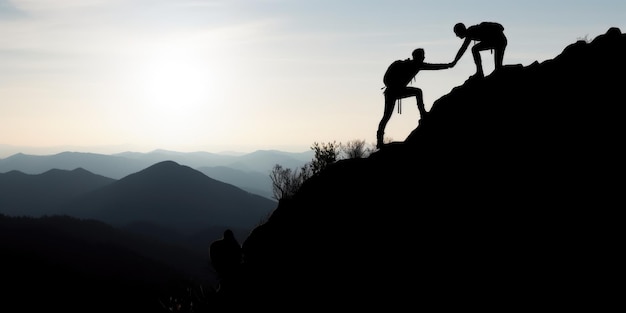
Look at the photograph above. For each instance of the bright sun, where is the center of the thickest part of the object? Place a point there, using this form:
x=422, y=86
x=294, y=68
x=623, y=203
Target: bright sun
x=175, y=87
x=176, y=79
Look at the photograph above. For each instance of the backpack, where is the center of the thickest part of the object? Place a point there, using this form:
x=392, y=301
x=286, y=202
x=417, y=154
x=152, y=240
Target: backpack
x=487, y=28
x=399, y=73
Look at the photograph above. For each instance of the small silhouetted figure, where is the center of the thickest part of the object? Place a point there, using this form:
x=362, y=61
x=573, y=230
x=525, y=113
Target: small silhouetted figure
x=397, y=77
x=488, y=35
x=226, y=257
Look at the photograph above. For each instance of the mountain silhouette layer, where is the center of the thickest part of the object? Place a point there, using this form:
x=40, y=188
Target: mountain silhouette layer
x=248, y=171
x=175, y=196
x=504, y=197
x=122, y=164
x=42, y=194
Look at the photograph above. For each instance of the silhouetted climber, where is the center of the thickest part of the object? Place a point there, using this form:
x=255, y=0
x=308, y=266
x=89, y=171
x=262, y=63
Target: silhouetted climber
x=397, y=77
x=488, y=35
x=226, y=257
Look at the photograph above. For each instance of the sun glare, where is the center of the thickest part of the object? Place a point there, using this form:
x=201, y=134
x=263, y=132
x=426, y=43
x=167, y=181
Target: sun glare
x=175, y=87
x=176, y=81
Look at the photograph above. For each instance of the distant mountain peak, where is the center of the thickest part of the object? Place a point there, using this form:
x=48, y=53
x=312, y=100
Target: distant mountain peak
x=165, y=164
x=167, y=193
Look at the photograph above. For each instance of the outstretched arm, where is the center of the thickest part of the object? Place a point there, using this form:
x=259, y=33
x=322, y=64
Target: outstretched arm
x=461, y=50
x=436, y=66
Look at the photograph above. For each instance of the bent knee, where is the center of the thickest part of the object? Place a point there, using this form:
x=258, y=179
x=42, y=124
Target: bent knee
x=414, y=91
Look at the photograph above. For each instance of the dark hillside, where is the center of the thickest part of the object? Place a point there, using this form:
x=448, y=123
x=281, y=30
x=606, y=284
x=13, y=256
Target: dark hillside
x=505, y=196
x=63, y=264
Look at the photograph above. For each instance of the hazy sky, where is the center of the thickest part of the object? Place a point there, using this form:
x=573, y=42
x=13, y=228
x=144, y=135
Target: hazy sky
x=109, y=76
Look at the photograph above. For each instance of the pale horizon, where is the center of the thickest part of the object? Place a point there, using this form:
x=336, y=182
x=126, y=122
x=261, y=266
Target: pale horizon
x=239, y=76
x=10, y=150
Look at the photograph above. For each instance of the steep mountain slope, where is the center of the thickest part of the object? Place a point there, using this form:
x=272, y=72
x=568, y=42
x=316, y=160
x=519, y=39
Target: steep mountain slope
x=174, y=196
x=504, y=197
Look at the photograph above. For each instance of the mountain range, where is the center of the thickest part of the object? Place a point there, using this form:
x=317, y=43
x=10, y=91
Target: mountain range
x=248, y=171
x=505, y=197
x=167, y=195
x=43, y=194
x=172, y=195
x=95, y=230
